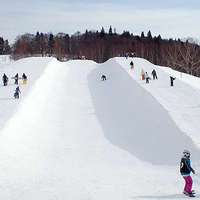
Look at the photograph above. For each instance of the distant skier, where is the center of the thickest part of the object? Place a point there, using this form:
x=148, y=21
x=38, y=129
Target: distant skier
x=131, y=64
x=16, y=79
x=153, y=73
x=5, y=79
x=103, y=77
x=185, y=169
x=24, y=77
x=172, y=80
x=17, y=91
x=142, y=74
x=147, y=77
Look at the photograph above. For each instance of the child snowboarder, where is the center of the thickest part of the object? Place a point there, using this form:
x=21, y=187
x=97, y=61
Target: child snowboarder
x=103, y=77
x=131, y=64
x=17, y=91
x=5, y=80
x=172, y=80
x=185, y=169
x=24, y=77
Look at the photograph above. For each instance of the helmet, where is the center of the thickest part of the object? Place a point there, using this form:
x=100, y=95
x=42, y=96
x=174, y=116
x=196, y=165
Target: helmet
x=186, y=153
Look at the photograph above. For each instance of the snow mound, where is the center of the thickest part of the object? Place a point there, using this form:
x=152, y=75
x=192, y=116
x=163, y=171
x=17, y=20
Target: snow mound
x=71, y=135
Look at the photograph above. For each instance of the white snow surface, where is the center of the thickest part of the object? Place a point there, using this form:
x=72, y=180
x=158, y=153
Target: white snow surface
x=72, y=136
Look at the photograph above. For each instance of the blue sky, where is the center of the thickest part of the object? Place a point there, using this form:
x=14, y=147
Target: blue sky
x=169, y=18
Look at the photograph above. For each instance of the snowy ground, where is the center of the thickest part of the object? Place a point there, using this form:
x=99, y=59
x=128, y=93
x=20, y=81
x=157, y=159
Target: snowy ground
x=72, y=136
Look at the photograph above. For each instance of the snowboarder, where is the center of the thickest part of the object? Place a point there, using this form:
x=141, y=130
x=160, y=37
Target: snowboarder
x=153, y=73
x=172, y=80
x=17, y=91
x=131, y=64
x=103, y=77
x=5, y=79
x=185, y=169
x=16, y=79
x=147, y=77
x=142, y=74
x=24, y=77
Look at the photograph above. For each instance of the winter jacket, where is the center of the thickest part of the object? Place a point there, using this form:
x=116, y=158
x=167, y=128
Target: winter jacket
x=142, y=72
x=146, y=75
x=185, y=167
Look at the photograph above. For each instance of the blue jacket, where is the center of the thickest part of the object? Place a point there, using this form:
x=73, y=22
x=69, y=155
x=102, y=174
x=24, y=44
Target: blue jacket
x=185, y=167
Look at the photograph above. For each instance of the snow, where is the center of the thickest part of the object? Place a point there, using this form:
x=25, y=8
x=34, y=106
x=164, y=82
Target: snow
x=73, y=136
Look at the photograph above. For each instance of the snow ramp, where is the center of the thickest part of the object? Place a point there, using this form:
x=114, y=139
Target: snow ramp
x=132, y=119
x=53, y=146
x=33, y=68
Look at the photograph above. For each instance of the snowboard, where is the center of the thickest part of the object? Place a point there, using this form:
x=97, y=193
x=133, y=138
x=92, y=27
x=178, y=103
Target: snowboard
x=192, y=194
x=16, y=78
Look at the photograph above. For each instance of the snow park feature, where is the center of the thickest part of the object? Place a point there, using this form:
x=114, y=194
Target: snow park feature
x=72, y=136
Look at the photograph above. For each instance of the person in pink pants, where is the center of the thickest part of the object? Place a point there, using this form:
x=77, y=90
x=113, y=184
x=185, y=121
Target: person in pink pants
x=185, y=169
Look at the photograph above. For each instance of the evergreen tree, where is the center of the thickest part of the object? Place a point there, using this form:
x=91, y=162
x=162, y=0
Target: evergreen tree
x=1, y=45
x=149, y=34
x=110, y=31
x=102, y=33
x=6, y=47
x=51, y=43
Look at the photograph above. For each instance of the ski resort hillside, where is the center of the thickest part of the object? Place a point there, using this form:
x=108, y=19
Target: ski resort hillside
x=72, y=136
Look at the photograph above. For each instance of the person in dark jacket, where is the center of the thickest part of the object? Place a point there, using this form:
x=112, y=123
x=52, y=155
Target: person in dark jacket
x=24, y=77
x=131, y=64
x=172, y=80
x=16, y=79
x=17, y=91
x=103, y=77
x=153, y=73
x=185, y=169
x=5, y=79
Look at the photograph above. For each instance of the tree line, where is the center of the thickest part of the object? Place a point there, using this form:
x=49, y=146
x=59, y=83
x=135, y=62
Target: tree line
x=99, y=46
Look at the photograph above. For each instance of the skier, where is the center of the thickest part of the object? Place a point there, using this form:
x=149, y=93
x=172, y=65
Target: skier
x=147, y=77
x=5, y=79
x=185, y=169
x=142, y=74
x=17, y=91
x=172, y=80
x=24, y=77
x=131, y=64
x=103, y=77
x=16, y=79
x=153, y=73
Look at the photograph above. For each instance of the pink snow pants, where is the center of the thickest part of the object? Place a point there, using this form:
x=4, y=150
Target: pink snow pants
x=188, y=183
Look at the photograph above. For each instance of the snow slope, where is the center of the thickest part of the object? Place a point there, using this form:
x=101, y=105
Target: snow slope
x=73, y=136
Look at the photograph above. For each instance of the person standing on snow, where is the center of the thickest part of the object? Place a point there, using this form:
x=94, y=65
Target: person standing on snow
x=17, y=91
x=142, y=74
x=147, y=77
x=185, y=169
x=24, y=77
x=131, y=64
x=16, y=79
x=172, y=80
x=153, y=73
x=5, y=79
